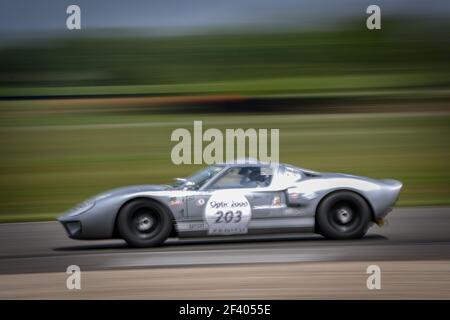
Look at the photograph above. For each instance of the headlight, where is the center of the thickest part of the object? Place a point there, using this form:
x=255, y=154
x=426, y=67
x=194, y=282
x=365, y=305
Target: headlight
x=81, y=208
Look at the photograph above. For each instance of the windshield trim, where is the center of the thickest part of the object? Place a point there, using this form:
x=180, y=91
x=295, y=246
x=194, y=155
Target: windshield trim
x=187, y=180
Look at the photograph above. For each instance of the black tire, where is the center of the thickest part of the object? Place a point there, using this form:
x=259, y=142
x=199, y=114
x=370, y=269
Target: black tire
x=343, y=215
x=144, y=223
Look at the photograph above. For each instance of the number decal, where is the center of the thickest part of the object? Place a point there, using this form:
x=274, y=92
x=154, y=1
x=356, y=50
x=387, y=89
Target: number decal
x=229, y=216
x=227, y=212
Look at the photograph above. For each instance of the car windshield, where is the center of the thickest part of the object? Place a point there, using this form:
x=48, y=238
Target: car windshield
x=201, y=177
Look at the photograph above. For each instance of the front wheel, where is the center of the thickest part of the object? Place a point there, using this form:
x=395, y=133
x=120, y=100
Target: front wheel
x=343, y=215
x=144, y=223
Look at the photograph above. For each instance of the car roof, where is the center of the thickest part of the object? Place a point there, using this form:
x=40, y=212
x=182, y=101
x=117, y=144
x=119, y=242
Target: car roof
x=248, y=162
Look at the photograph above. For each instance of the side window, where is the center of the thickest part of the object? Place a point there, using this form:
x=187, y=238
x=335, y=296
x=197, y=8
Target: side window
x=243, y=177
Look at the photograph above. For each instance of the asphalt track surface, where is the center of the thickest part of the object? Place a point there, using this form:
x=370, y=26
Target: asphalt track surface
x=411, y=234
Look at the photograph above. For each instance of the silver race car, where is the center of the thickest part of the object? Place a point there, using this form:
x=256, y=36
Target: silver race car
x=230, y=199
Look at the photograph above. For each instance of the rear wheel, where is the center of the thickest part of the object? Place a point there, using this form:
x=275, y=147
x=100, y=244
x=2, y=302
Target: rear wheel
x=144, y=223
x=343, y=215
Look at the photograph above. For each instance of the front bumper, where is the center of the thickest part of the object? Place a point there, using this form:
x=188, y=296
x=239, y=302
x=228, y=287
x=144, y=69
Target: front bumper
x=72, y=227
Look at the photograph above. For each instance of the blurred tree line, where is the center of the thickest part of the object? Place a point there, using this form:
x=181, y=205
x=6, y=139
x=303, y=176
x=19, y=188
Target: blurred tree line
x=400, y=48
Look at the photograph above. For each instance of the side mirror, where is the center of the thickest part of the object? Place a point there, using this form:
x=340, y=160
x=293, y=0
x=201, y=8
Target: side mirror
x=188, y=185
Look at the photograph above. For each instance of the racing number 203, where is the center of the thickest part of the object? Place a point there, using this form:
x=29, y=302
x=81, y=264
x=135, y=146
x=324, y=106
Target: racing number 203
x=228, y=216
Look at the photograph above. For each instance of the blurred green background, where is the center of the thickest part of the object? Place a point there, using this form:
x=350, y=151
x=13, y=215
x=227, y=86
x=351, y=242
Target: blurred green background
x=348, y=59
x=83, y=114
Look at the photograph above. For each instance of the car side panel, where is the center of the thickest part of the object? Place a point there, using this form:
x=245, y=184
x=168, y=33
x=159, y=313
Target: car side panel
x=99, y=221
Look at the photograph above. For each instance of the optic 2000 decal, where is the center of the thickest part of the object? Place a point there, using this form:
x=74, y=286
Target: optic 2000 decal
x=227, y=212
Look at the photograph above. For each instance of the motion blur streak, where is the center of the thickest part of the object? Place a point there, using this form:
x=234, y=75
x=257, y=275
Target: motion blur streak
x=412, y=251
x=80, y=110
x=331, y=280
x=89, y=110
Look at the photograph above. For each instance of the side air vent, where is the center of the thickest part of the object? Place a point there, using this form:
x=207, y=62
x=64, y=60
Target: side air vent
x=311, y=174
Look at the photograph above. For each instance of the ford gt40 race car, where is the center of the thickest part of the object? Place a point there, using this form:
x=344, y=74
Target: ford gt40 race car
x=231, y=199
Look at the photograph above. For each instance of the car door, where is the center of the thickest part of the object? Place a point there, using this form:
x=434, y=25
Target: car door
x=230, y=202
x=196, y=201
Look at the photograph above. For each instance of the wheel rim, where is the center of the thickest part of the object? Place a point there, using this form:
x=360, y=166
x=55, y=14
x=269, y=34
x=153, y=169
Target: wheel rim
x=344, y=216
x=145, y=222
